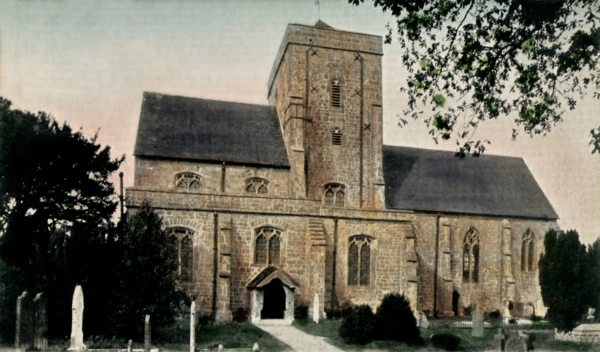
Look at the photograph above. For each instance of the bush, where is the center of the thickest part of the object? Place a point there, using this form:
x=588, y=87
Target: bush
x=343, y=311
x=447, y=342
x=301, y=311
x=240, y=315
x=468, y=311
x=495, y=314
x=358, y=327
x=395, y=321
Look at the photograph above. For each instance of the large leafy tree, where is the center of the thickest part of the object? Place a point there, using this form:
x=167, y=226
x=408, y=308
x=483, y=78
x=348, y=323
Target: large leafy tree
x=563, y=278
x=474, y=60
x=56, y=205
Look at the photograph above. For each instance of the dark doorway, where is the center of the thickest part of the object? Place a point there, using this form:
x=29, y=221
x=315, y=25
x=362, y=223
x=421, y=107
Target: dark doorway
x=455, y=298
x=273, y=301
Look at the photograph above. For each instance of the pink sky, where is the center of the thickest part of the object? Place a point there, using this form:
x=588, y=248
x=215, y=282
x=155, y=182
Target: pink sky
x=88, y=62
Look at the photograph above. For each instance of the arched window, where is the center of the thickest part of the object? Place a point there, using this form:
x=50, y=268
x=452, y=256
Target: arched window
x=181, y=239
x=359, y=261
x=187, y=180
x=268, y=246
x=471, y=256
x=257, y=185
x=528, y=251
x=334, y=195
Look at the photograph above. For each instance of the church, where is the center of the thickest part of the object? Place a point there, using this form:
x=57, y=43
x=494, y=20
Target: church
x=299, y=202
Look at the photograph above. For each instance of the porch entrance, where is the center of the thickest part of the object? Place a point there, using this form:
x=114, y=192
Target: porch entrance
x=273, y=301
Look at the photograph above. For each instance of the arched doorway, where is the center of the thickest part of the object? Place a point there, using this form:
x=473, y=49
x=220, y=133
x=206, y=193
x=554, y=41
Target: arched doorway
x=274, y=301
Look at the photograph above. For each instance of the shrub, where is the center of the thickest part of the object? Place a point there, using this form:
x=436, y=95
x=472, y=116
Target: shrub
x=495, y=314
x=358, y=327
x=395, y=321
x=447, y=342
x=240, y=315
x=301, y=311
x=468, y=311
x=342, y=311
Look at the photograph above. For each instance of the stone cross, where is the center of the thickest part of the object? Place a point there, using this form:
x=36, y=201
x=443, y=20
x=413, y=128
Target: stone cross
x=477, y=323
x=147, y=341
x=315, y=312
x=25, y=325
x=40, y=337
x=77, y=321
x=193, y=327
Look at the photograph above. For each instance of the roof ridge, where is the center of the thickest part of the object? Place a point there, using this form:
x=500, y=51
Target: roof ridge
x=453, y=151
x=205, y=99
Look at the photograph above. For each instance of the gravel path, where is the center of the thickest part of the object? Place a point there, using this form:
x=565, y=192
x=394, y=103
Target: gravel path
x=297, y=339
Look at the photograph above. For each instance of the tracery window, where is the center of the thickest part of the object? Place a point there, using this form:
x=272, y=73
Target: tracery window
x=268, y=246
x=471, y=256
x=334, y=195
x=528, y=251
x=359, y=261
x=257, y=185
x=181, y=239
x=187, y=180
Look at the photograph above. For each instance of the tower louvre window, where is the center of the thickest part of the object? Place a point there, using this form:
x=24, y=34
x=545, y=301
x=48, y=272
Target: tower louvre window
x=336, y=137
x=336, y=94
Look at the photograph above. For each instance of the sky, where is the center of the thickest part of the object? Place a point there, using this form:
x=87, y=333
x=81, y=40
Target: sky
x=88, y=62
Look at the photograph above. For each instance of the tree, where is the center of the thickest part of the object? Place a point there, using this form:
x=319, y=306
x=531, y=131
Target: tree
x=563, y=278
x=56, y=204
x=148, y=281
x=592, y=276
x=474, y=60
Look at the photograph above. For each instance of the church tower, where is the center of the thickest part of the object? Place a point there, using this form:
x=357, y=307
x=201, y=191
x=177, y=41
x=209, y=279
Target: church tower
x=326, y=87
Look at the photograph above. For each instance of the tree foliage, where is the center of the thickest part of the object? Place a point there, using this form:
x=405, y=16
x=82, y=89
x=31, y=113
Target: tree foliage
x=394, y=320
x=474, y=60
x=564, y=278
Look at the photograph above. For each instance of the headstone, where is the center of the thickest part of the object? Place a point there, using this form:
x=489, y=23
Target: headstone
x=24, y=329
x=423, y=322
x=255, y=347
x=220, y=349
x=315, y=312
x=193, y=327
x=147, y=342
x=40, y=339
x=77, y=321
x=539, y=308
x=129, y=346
x=477, y=323
x=516, y=342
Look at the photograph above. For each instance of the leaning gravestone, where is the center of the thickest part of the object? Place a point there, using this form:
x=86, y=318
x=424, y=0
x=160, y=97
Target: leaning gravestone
x=25, y=324
x=477, y=323
x=77, y=321
x=40, y=339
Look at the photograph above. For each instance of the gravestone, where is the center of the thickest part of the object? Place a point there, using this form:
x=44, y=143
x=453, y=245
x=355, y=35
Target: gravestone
x=40, y=339
x=255, y=347
x=147, y=341
x=516, y=342
x=477, y=323
x=423, y=322
x=77, y=321
x=24, y=329
x=193, y=326
x=590, y=314
x=315, y=312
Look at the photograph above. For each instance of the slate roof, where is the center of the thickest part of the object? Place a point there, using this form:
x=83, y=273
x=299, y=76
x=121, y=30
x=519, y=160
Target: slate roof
x=431, y=180
x=209, y=130
x=269, y=274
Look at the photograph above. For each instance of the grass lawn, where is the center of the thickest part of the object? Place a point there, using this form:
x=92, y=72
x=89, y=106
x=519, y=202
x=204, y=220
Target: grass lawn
x=230, y=335
x=544, y=339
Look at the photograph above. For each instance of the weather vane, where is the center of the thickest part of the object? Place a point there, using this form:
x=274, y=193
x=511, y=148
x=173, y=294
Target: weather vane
x=318, y=3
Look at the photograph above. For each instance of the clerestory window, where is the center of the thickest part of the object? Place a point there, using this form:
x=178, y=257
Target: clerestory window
x=359, y=261
x=471, y=256
x=268, y=246
x=187, y=180
x=181, y=240
x=335, y=195
x=257, y=185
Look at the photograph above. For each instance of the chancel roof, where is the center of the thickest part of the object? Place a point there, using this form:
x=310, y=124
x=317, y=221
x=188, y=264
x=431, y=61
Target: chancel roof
x=431, y=180
x=209, y=130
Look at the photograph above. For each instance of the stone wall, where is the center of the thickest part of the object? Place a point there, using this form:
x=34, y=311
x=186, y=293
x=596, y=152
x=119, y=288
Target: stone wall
x=500, y=275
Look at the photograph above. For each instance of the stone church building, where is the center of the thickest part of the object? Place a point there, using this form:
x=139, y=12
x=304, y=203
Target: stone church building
x=299, y=202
